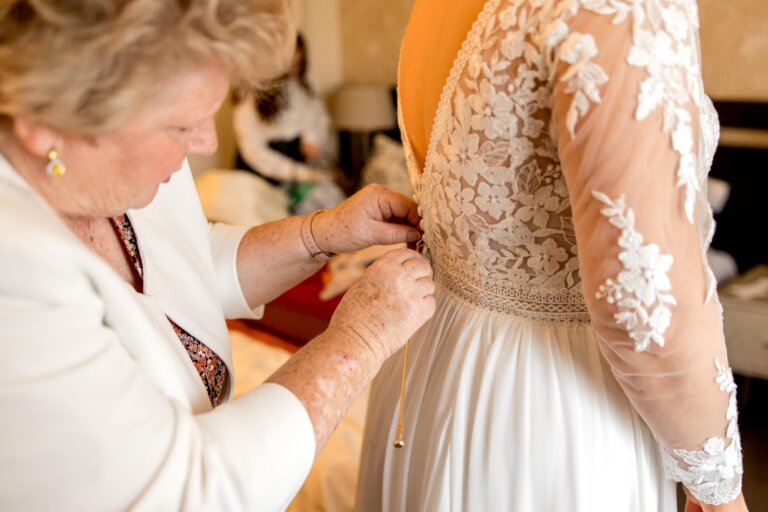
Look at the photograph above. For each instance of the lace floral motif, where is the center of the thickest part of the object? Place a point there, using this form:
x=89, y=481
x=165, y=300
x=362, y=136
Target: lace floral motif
x=662, y=31
x=584, y=77
x=492, y=186
x=641, y=290
x=497, y=217
x=713, y=475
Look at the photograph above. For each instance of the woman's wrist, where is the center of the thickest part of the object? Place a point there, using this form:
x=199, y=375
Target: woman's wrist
x=323, y=232
x=364, y=348
x=308, y=237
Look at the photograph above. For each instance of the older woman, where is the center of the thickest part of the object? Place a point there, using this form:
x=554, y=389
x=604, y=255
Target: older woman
x=114, y=289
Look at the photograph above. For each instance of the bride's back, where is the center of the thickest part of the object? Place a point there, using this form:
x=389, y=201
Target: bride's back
x=497, y=217
x=432, y=39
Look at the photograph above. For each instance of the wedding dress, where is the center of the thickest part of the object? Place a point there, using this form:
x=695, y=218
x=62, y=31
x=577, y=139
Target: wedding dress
x=558, y=375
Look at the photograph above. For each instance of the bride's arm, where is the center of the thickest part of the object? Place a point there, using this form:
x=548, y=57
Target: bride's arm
x=627, y=98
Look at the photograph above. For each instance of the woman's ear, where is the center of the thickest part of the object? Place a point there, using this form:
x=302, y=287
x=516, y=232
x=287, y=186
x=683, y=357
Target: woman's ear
x=35, y=137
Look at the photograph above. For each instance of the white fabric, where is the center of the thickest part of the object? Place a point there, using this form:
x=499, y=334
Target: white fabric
x=718, y=192
x=242, y=198
x=387, y=166
x=723, y=265
x=502, y=414
x=565, y=121
x=101, y=406
x=305, y=117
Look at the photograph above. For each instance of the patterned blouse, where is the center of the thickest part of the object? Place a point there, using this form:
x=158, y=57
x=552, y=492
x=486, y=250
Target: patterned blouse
x=211, y=368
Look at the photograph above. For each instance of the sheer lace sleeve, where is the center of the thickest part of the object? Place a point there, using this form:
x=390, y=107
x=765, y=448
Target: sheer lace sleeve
x=633, y=132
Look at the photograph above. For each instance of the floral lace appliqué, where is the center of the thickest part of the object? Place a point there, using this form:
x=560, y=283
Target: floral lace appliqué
x=662, y=35
x=495, y=206
x=713, y=475
x=492, y=193
x=583, y=77
x=641, y=289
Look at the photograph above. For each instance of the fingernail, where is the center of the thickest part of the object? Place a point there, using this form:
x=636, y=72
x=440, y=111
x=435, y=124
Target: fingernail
x=412, y=236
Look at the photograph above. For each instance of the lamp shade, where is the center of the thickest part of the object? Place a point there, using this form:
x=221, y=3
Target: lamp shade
x=363, y=108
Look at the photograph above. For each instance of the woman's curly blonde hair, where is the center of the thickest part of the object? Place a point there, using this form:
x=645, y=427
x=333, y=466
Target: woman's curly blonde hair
x=85, y=66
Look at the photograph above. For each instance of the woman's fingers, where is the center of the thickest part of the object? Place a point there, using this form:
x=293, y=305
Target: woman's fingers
x=373, y=216
x=394, y=205
x=390, y=301
x=402, y=255
x=427, y=287
x=389, y=234
x=418, y=268
x=419, y=265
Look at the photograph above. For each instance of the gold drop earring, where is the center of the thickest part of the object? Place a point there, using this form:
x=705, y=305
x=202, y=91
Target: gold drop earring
x=55, y=167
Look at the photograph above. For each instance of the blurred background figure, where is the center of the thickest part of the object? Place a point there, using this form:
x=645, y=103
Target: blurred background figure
x=284, y=135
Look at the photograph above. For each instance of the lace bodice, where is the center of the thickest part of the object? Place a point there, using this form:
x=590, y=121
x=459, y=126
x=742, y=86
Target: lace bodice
x=587, y=119
x=497, y=215
x=497, y=218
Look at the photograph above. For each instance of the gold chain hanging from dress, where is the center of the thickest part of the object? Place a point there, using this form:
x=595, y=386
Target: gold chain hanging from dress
x=421, y=248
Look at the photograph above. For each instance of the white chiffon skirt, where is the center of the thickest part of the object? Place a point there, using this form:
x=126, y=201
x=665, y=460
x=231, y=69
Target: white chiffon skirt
x=505, y=415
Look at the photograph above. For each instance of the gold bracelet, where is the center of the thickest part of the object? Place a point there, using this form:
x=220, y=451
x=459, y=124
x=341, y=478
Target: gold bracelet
x=309, y=239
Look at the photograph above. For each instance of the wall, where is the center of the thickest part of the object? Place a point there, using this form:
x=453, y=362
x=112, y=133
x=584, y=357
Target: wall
x=734, y=45
x=321, y=24
x=734, y=42
x=371, y=35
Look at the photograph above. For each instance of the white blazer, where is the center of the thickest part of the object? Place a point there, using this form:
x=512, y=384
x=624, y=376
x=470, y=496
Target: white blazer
x=100, y=406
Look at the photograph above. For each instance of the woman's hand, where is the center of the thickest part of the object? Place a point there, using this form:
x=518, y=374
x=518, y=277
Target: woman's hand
x=390, y=301
x=373, y=216
x=693, y=505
